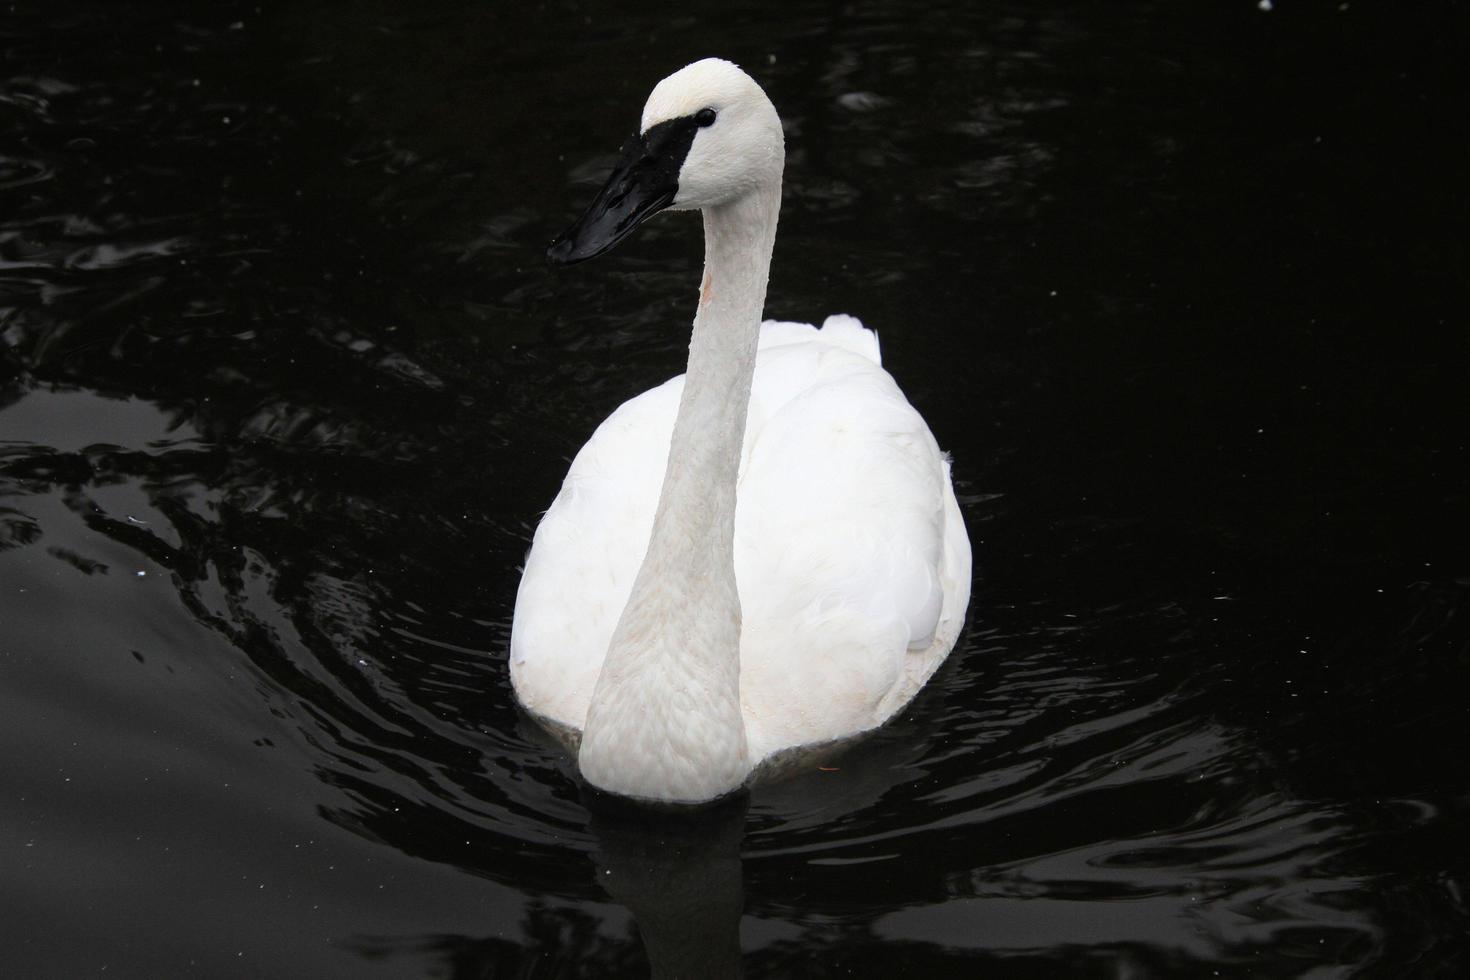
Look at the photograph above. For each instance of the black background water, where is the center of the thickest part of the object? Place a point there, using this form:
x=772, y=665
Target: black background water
x=286, y=385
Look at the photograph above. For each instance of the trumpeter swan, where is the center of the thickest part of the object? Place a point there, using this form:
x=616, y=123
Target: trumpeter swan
x=761, y=554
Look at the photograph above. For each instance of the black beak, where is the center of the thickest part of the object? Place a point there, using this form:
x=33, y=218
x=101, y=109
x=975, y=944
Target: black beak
x=643, y=183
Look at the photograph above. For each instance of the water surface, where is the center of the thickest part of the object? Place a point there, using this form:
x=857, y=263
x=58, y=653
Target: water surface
x=286, y=386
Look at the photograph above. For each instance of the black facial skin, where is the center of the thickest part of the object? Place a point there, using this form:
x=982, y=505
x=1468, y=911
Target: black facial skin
x=642, y=184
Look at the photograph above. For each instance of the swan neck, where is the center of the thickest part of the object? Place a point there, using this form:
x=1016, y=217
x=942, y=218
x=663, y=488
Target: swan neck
x=665, y=719
x=710, y=427
x=709, y=431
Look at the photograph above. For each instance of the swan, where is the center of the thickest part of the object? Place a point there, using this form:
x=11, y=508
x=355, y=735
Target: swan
x=762, y=554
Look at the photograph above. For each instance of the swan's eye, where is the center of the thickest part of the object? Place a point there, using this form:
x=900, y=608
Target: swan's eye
x=705, y=117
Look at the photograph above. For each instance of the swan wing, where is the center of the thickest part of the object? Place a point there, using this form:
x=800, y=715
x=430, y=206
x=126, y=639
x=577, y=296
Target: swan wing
x=851, y=556
x=585, y=555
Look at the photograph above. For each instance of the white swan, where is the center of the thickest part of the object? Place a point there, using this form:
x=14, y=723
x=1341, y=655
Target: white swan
x=761, y=554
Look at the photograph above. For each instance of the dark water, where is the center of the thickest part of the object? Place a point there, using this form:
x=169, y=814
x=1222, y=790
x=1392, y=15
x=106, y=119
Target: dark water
x=286, y=385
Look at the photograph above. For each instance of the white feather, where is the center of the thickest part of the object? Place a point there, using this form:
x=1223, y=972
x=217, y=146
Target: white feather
x=852, y=561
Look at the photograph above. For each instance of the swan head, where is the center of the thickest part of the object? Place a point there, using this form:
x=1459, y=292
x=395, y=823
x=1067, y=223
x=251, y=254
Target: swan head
x=708, y=137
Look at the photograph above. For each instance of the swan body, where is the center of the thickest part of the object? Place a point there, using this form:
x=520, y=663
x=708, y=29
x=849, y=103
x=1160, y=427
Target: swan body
x=760, y=554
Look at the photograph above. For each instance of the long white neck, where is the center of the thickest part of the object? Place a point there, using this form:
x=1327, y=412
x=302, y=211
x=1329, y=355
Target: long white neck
x=665, y=720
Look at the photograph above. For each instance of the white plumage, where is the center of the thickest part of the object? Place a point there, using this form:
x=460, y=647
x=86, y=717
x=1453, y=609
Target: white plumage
x=847, y=543
x=849, y=555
